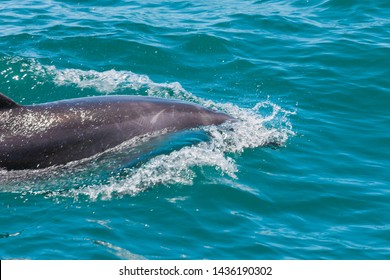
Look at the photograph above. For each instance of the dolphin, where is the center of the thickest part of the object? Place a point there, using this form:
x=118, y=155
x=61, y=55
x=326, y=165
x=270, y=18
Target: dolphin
x=56, y=133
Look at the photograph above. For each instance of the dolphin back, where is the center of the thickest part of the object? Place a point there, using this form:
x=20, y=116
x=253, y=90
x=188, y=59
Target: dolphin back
x=42, y=135
x=6, y=102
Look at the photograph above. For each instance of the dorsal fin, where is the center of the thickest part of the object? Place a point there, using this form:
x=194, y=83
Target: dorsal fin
x=7, y=103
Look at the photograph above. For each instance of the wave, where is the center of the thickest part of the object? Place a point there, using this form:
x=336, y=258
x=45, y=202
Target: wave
x=266, y=123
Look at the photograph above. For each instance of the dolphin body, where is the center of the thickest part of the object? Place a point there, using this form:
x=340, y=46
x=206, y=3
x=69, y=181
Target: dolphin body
x=55, y=133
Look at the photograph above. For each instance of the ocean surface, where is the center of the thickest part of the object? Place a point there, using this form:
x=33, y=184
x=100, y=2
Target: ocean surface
x=303, y=173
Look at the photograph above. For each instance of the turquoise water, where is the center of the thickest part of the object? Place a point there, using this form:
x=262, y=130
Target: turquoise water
x=303, y=174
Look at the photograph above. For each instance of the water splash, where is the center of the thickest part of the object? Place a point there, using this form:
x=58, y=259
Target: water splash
x=264, y=124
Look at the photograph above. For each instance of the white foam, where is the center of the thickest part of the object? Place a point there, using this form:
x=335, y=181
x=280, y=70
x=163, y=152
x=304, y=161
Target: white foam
x=107, y=81
x=266, y=123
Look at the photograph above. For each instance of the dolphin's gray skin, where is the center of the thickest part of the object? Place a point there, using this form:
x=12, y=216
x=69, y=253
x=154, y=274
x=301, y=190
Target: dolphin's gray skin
x=38, y=136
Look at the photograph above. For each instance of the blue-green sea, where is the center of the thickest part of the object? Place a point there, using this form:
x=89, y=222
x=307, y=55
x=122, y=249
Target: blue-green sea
x=302, y=174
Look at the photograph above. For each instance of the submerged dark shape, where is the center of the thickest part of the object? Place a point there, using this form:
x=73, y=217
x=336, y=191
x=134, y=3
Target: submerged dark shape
x=39, y=136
